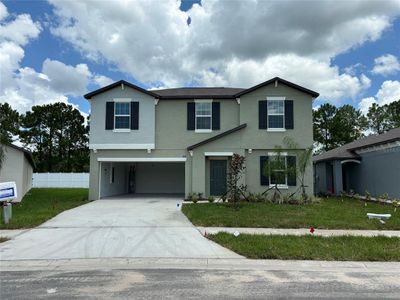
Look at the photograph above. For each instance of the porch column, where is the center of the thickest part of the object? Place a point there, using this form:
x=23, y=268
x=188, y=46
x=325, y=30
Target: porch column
x=337, y=177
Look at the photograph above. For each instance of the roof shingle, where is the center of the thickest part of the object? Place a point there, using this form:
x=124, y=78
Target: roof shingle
x=347, y=151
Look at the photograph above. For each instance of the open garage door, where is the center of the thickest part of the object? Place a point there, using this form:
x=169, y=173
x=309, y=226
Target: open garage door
x=141, y=176
x=160, y=178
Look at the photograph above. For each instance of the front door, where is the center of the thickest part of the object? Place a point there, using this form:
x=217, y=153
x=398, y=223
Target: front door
x=217, y=177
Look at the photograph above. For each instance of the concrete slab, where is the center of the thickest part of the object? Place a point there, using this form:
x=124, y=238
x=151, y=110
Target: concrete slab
x=11, y=233
x=142, y=228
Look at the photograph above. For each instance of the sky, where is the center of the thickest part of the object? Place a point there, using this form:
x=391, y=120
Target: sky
x=348, y=51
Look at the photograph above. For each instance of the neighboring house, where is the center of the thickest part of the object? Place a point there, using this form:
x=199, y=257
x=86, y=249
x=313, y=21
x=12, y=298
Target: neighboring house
x=179, y=141
x=370, y=164
x=17, y=166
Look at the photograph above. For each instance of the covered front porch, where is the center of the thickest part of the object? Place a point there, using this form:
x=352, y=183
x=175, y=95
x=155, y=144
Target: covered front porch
x=334, y=176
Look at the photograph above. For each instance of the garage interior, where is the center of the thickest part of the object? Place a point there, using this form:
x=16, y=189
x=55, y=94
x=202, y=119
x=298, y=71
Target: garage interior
x=141, y=178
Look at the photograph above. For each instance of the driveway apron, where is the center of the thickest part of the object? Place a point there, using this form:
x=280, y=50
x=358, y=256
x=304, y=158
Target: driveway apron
x=137, y=227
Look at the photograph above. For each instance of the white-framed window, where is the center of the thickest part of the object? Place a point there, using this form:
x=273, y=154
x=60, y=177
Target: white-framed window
x=276, y=114
x=122, y=115
x=203, y=116
x=278, y=174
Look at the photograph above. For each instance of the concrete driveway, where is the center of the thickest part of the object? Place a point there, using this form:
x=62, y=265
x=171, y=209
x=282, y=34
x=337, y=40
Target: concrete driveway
x=140, y=227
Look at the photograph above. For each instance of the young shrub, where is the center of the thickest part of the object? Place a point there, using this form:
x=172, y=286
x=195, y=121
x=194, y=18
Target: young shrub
x=211, y=199
x=251, y=197
x=367, y=195
x=200, y=196
x=190, y=197
x=385, y=196
x=195, y=198
x=236, y=190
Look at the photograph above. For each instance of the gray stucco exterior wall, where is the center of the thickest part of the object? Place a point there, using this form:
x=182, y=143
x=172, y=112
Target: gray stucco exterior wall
x=378, y=173
x=17, y=168
x=145, y=135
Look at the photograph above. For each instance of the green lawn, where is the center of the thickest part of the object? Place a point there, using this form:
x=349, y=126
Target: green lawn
x=39, y=205
x=344, y=248
x=330, y=213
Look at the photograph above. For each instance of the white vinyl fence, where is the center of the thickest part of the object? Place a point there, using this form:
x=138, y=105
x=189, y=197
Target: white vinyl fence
x=66, y=180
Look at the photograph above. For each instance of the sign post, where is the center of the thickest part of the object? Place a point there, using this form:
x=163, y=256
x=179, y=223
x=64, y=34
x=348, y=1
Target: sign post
x=8, y=192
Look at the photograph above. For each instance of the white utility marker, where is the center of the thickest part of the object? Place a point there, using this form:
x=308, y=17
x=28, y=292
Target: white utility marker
x=378, y=216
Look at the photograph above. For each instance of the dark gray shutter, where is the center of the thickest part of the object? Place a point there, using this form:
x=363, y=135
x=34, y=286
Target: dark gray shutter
x=216, y=116
x=135, y=115
x=264, y=180
x=262, y=114
x=109, y=115
x=291, y=164
x=190, y=115
x=289, y=121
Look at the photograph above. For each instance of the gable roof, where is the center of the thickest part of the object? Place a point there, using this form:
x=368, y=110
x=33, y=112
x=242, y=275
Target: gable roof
x=348, y=151
x=200, y=92
x=118, y=83
x=216, y=137
x=285, y=82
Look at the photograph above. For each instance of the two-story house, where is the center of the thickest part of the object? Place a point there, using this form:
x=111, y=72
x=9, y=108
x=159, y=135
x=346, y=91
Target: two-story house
x=178, y=141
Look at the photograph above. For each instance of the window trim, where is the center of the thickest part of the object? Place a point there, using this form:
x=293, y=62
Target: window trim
x=196, y=130
x=276, y=129
x=122, y=100
x=280, y=186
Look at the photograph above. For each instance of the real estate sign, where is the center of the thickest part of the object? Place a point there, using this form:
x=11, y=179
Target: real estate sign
x=8, y=191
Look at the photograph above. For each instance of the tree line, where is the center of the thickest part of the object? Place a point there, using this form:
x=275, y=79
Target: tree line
x=336, y=126
x=55, y=133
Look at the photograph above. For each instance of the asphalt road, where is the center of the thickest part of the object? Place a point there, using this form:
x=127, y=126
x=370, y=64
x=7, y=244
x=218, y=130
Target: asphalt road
x=197, y=284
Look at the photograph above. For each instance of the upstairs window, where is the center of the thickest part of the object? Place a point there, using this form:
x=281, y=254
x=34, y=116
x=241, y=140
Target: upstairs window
x=122, y=115
x=276, y=114
x=203, y=116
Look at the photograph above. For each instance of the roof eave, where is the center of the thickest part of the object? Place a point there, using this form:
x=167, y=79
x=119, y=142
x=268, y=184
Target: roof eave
x=118, y=83
x=288, y=83
x=216, y=137
x=184, y=97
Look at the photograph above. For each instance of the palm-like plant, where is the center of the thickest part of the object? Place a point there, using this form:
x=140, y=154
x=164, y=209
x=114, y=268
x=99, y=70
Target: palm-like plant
x=304, y=157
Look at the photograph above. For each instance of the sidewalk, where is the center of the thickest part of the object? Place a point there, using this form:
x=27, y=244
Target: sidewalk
x=300, y=231
x=11, y=233
x=201, y=263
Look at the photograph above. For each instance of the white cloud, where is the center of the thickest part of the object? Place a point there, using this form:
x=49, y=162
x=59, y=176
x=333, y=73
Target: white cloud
x=20, y=30
x=387, y=64
x=3, y=11
x=67, y=79
x=365, y=104
x=311, y=73
x=388, y=93
x=354, y=69
x=102, y=80
x=23, y=87
x=231, y=43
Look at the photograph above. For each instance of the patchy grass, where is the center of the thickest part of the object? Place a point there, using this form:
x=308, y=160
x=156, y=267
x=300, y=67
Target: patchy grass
x=40, y=205
x=343, y=248
x=3, y=239
x=330, y=213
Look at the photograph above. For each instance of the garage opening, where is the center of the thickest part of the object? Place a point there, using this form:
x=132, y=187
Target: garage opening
x=141, y=178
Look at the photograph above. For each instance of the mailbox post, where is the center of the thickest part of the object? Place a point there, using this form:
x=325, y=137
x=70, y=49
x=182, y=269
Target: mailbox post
x=8, y=192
